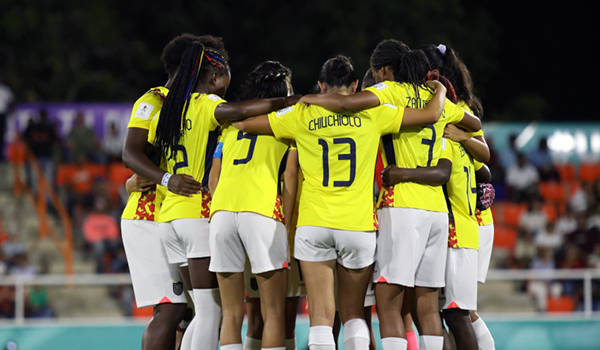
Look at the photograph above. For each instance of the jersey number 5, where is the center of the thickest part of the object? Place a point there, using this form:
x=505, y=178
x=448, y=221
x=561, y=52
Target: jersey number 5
x=345, y=156
x=252, y=138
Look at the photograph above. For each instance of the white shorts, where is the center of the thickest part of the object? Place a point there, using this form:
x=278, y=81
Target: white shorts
x=233, y=235
x=486, y=243
x=411, y=247
x=185, y=239
x=352, y=249
x=461, y=279
x=295, y=286
x=154, y=280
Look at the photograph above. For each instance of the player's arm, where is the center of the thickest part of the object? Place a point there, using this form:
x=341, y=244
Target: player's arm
x=432, y=113
x=290, y=187
x=469, y=122
x=483, y=175
x=256, y=125
x=476, y=146
x=235, y=111
x=215, y=170
x=343, y=103
x=135, y=157
x=435, y=175
x=137, y=183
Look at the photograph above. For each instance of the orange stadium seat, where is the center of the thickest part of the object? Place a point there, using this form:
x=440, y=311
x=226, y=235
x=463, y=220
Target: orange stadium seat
x=551, y=211
x=118, y=174
x=512, y=213
x=145, y=312
x=560, y=304
x=552, y=191
x=567, y=172
x=589, y=172
x=504, y=238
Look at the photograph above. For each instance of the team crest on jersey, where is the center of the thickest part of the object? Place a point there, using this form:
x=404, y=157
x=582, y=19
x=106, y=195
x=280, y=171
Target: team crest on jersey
x=144, y=110
x=178, y=288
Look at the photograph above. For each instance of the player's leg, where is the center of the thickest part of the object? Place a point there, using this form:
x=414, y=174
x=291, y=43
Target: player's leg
x=485, y=340
x=407, y=320
x=291, y=311
x=265, y=241
x=194, y=236
x=253, y=340
x=368, y=309
x=155, y=282
x=429, y=278
x=461, y=296
x=319, y=280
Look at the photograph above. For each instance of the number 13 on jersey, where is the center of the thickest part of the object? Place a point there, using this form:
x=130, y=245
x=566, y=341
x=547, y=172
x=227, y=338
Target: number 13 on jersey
x=351, y=156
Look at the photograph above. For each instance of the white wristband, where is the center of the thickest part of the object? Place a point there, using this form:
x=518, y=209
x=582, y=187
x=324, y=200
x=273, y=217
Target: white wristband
x=165, y=179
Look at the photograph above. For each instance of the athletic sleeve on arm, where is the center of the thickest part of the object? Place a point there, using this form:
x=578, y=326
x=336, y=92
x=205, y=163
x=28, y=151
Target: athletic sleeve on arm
x=476, y=133
x=211, y=104
x=144, y=111
x=452, y=113
x=446, y=149
x=284, y=122
x=388, y=118
x=477, y=165
x=218, y=151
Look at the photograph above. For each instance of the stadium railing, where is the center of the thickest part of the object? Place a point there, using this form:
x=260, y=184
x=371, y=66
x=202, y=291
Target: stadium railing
x=21, y=282
x=19, y=157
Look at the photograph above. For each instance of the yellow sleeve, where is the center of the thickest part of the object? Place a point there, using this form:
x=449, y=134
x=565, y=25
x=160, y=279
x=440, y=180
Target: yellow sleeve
x=211, y=104
x=478, y=165
x=388, y=118
x=284, y=122
x=476, y=133
x=446, y=149
x=144, y=110
x=383, y=92
x=453, y=113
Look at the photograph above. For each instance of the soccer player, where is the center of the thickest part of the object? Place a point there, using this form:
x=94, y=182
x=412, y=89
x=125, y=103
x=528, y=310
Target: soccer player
x=155, y=282
x=445, y=61
x=413, y=217
x=337, y=223
x=186, y=135
x=247, y=217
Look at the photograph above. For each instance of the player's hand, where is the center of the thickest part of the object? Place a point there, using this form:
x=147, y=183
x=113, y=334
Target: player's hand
x=487, y=195
x=137, y=183
x=455, y=134
x=436, y=85
x=391, y=175
x=184, y=185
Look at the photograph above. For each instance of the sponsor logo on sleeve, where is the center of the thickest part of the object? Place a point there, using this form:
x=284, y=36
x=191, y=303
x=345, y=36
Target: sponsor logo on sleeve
x=214, y=97
x=286, y=110
x=144, y=110
x=380, y=86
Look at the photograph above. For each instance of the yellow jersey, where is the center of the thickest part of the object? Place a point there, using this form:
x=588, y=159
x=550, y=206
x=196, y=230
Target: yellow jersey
x=146, y=206
x=194, y=158
x=251, y=171
x=461, y=197
x=337, y=154
x=414, y=147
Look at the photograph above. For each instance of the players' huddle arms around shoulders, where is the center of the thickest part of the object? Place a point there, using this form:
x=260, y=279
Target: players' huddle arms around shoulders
x=245, y=206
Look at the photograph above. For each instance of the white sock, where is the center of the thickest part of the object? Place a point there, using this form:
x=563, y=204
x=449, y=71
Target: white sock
x=431, y=342
x=484, y=337
x=252, y=344
x=393, y=343
x=321, y=338
x=186, y=341
x=290, y=344
x=231, y=347
x=207, y=303
x=356, y=334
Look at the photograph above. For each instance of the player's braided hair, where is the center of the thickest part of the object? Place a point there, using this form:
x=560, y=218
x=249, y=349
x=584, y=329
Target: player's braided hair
x=407, y=65
x=446, y=60
x=338, y=72
x=450, y=93
x=173, y=51
x=270, y=79
x=199, y=58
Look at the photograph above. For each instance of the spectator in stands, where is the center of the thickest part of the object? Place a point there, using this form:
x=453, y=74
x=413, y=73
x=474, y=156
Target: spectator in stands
x=525, y=249
x=83, y=141
x=101, y=232
x=593, y=217
x=548, y=238
x=112, y=146
x=596, y=191
x=534, y=219
x=38, y=304
x=593, y=260
x=566, y=223
x=7, y=105
x=542, y=160
x=543, y=263
x=7, y=302
x=583, y=238
x=508, y=157
x=583, y=198
x=3, y=264
x=14, y=246
x=41, y=138
x=22, y=267
x=522, y=179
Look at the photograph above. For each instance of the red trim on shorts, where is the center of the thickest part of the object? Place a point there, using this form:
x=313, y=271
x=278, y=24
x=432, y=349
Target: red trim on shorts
x=382, y=279
x=165, y=300
x=453, y=305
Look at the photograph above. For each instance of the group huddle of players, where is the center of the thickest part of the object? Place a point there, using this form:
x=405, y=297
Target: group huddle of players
x=224, y=193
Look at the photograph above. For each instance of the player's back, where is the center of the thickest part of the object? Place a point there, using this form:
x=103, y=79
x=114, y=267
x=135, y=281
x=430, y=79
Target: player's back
x=251, y=169
x=193, y=157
